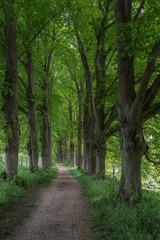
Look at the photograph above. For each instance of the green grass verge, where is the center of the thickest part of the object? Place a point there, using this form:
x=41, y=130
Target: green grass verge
x=18, y=188
x=115, y=219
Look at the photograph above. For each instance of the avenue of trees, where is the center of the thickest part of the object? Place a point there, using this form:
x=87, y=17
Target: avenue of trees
x=80, y=83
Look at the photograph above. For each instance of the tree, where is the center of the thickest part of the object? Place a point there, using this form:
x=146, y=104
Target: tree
x=135, y=107
x=96, y=58
x=10, y=107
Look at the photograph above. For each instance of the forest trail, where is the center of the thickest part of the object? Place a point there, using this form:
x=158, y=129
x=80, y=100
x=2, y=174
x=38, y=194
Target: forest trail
x=60, y=212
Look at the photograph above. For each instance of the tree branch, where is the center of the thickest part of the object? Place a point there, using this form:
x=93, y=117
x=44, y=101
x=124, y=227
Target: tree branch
x=95, y=29
x=100, y=4
x=139, y=9
x=148, y=158
x=109, y=25
x=110, y=59
x=152, y=92
x=22, y=110
x=153, y=110
x=22, y=96
x=146, y=77
x=112, y=131
x=25, y=86
x=35, y=36
x=113, y=115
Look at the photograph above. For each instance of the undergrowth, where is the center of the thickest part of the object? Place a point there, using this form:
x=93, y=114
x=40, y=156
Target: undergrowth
x=115, y=219
x=14, y=191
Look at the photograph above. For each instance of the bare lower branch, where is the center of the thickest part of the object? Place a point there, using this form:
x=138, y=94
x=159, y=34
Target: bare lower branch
x=148, y=158
x=139, y=9
x=110, y=59
x=113, y=115
x=153, y=110
x=152, y=92
x=109, y=25
x=22, y=96
x=22, y=110
x=150, y=68
x=36, y=35
x=112, y=131
x=23, y=83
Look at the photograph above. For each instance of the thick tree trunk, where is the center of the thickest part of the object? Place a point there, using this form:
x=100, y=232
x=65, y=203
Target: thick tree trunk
x=10, y=107
x=46, y=143
x=60, y=150
x=72, y=154
x=79, y=159
x=100, y=70
x=29, y=150
x=32, y=113
x=66, y=152
x=100, y=143
x=91, y=150
x=132, y=146
x=100, y=158
x=46, y=138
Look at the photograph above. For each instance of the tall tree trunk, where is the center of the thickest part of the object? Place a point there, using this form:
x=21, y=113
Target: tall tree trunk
x=89, y=119
x=79, y=157
x=32, y=113
x=72, y=154
x=100, y=71
x=46, y=138
x=10, y=107
x=46, y=143
x=130, y=112
x=66, y=152
x=29, y=150
x=91, y=150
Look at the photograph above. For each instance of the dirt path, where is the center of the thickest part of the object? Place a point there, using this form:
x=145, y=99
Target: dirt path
x=60, y=212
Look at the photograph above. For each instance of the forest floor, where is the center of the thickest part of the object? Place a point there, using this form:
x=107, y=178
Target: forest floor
x=59, y=212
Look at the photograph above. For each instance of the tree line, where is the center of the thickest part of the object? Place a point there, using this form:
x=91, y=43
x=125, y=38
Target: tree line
x=75, y=77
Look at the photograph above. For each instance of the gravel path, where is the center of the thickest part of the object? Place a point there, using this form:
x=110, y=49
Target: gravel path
x=60, y=212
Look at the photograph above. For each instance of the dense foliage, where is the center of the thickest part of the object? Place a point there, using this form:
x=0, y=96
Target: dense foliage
x=80, y=83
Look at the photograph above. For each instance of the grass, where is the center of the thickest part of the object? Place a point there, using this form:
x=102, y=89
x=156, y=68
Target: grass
x=13, y=192
x=115, y=219
x=16, y=196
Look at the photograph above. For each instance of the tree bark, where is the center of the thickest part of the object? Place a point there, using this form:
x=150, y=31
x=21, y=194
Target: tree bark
x=66, y=152
x=46, y=138
x=32, y=113
x=130, y=110
x=29, y=150
x=132, y=146
x=79, y=157
x=46, y=143
x=72, y=154
x=10, y=107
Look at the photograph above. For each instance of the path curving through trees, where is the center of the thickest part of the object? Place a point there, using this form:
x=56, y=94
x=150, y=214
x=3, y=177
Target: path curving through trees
x=60, y=212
